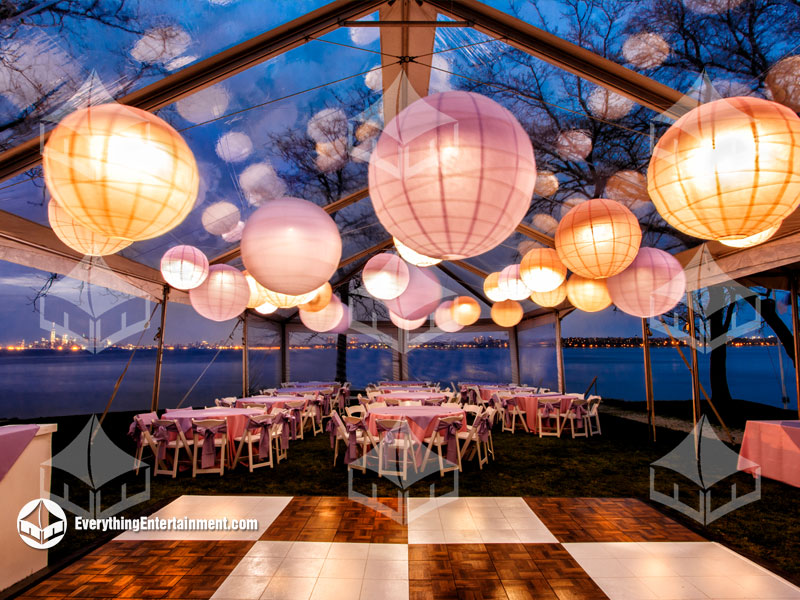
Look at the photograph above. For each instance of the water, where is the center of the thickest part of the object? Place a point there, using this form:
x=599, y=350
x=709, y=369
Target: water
x=40, y=384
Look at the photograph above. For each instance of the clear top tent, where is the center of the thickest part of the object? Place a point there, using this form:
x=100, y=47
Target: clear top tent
x=245, y=86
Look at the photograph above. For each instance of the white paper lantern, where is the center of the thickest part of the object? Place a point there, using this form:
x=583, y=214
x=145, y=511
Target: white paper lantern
x=222, y=296
x=547, y=224
x=266, y=309
x=327, y=125
x=605, y=104
x=546, y=183
x=443, y=318
x=407, y=324
x=291, y=246
x=574, y=145
x=184, y=267
x=452, y=175
x=385, y=276
x=287, y=300
x=220, y=218
x=491, y=287
x=420, y=298
x=541, y=270
x=258, y=293
x=78, y=237
x=260, y=183
x=209, y=103
x=645, y=50
x=326, y=319
x=653, y=284
x=511, y=284
x=344, y=323
x=414, y=258
x=234, y=146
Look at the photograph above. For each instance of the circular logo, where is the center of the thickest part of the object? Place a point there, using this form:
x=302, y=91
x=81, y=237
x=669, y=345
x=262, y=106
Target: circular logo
x=41, y=523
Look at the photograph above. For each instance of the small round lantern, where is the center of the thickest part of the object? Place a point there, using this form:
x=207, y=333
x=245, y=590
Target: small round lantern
x=645, y=50
x=120, y=171
x=78, y=237
x=546, y=183
x=511, y=284
x=184, y=267
x=753, y=240
x=598, y=238
x=443, y=318
x=545, y=223
x=220, y=218
x=414, y=258
x=609, y=105
x=287, y=300
x=588, y=295
x=222, y=296
x=258, y=293
x=574, y=145
x=552, y=298
x=541, y=270
x=344, y=323
x=407, y=324
x=385, y=276
x=491, y=287
x=326, y=319
x=783, y=80
x=452, y=175
x=628, y=187
x=421, y=296
x=728, y=169
x=291, y=246
x=653, y=284
x=507, y=313
x=320, y=300
x=465, y=310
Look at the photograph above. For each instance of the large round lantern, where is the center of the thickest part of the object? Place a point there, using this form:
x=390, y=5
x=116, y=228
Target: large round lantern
x=507, y=313
x=421, y=296
x=325, y=319
x=407, y=324
x=320, y=300
x=184, y=267
x=465, y=310
x=452, y=175
x=491, y=287
x=344, y=323
x=385, y=276
x=443, y=318
x=552, y=298
x=753, y=240
x=223, y=295
x=598, y=238
x=541, y=270
x=414, y=258
x=78, y=237
x=258, y=293
x=728, y=169
x=588, y=295
x=291, y=246
x=120, y=171
x=652, y=285
x=287, y=300
x=511, y=284
x=266, y=309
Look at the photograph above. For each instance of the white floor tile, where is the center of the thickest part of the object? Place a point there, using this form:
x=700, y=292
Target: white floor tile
x=465, y=536
x=337, y=589
x=300, y=567
x=767, y=586
x=375, y=589
x=309, y=550
x=536, y=536
x=673, y=588
x=241, y=588
x=386, y=569
x=587, y=550
x=621, y=588
x=604, y=567
x=388, y=552
x=498, y=536
x=276, y=549
x=343, y=568
x=493, y=523
x=259, y=566
x=719, y=587
x=289, y=588
x=652, y=566
x=426, y=537
x=342, y=550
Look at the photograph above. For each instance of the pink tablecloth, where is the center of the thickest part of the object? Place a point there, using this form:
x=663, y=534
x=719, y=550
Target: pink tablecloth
x=13, y=441
x=488, y=390
x=530, y=404
x=236, y=419
x=271, y=402
x=775, y=446
x=404, y=396
x=421, y=419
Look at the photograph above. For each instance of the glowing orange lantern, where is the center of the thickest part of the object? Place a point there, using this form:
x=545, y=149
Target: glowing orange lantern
x=753, y=240
x=287, y=300
x=443, y=318
x=552, y=298
x=78, y=237
x=507, y=313
x=320, y=300
x=491, y=287
x=588, y=295
x=465, y=310
x=541, y=270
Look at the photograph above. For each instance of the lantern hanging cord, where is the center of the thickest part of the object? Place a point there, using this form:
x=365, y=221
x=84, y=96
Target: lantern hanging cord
x=199, y=377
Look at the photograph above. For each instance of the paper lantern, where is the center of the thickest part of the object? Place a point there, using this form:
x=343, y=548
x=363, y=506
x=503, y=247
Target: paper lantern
x=783, y=81
x=546, y=183
x=605, y=104
x=288, y=300
x=727, y=169
x=552, y=298
x=598, y=238
x=541, y=270
x=443, y=318
x=507, y=313
x=574, y=145
x=222, y=296
x=258, y=293
x=326, y=319
x=753, y=240
x=234, y=146
x=653, y=284
x=120, y=171
x=344, y=323
x=184, y=267
x=414, y=258
x=78, y=237
x=407, y=324
x=511, y=284
x=321, y=299
x=291, y=246
x=711, y=7
x=260, y=183
x=645, y=50
x=526, y=246
x=452, y=175
x=627, y=187
x=385, y=276
x=220, y=218
x=545, y=223
x=588, y=295
x=465, y=310
x=421, y=297
x=266, y=309
x=491, y=287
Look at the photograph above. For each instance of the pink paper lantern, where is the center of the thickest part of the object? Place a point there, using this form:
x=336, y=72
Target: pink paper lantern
x=443, y=317
x=511, y=284
x=407, y=324
x=223, y=295
x=421, y=296
x=653, y=284
x=344, y=323
x=291, y=246
x=184, y=267
x=452, y=175
x=385, y=276
x=326, y=319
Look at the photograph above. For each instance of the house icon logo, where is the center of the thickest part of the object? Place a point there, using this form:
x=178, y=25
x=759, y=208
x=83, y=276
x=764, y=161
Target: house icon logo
x=41, y=523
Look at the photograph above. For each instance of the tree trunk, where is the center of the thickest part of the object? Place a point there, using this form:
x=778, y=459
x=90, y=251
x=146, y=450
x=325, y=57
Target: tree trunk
x=341, y=342
x=773, y=319
x=719, y=324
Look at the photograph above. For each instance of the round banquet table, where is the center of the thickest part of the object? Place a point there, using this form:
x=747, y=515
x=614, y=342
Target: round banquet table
x=236, y=419
x=403, y=396
x=270, y=402
x=306, y=390
x=421, y=419
x=530, y=404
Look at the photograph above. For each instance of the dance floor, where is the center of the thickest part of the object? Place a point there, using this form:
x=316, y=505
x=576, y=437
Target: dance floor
x=477, y=547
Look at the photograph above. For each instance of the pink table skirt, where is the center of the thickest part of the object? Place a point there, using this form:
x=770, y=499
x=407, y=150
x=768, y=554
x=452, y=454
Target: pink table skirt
x=236, y=419
x=530, y=404
x=421, y=419
x=403, y=396
x=775, y=446
x=13, y=441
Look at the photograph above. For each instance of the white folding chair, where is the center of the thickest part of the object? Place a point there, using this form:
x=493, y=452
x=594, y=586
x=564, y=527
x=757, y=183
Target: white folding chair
x=356, y=411
x=398, y=449
x=593, y=415
x=437, y=441
x=254, y=434
x=511, y=413
x=548, y=418
x=180, y=441
x=220, y=443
